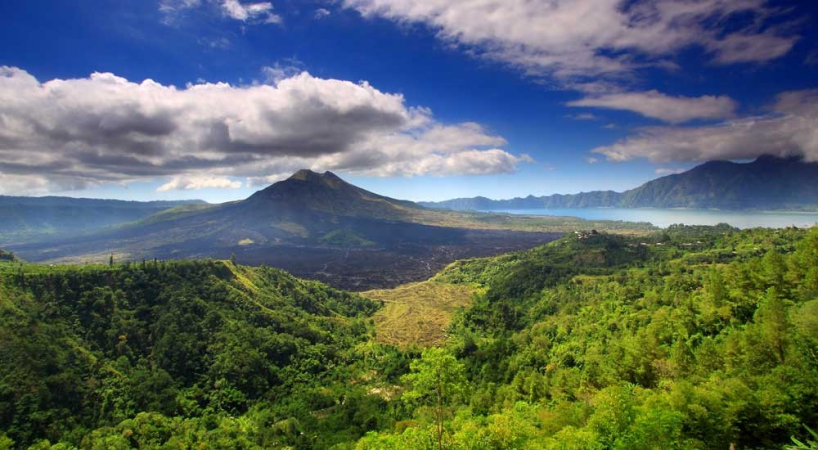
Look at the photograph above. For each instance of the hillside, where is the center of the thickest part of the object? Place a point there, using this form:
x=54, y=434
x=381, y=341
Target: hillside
x=26, y=219
x=7, y=256
x=768, y=183
x=317, y=226
x=693, y=337
x=696, y=338
x=130, y=347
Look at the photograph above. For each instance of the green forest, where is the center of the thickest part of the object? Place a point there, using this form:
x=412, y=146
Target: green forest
x=688, y=338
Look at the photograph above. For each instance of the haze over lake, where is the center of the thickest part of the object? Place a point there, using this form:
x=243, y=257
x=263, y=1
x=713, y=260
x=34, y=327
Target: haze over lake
x=665, y=217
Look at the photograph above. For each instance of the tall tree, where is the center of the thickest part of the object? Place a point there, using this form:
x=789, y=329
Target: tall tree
x=437, y=378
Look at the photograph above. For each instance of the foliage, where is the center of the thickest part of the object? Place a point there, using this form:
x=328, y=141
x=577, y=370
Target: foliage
x=691, y=338
x=811, y=444
x=695, y=337
x=163, y=353
x=7, y=256
x=345, y=238
x=437, y=379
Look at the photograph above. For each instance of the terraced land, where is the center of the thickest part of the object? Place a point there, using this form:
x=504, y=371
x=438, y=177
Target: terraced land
x=418, y=313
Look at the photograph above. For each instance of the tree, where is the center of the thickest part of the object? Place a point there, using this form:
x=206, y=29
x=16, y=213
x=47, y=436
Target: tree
x=772, y=317
x=6, y=442
x=437, y=378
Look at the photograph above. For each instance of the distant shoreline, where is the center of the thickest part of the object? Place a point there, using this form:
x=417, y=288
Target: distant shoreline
x=647, y=208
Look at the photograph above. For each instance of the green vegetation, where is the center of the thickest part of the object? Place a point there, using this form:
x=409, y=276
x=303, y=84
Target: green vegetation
x=693, y=337
x=7, y=256
x=345, y=238
x=519, y=222
x=307, y=210
x=179, y=354
x=437, y=379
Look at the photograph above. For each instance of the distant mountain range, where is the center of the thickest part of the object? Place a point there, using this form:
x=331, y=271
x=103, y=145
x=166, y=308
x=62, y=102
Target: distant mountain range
x=25, y=219
x=768, y=183
x=314, y=225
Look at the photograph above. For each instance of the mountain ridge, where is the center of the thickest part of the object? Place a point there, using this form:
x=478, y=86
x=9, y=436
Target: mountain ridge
x=327, y=192
x=31, y=218
x=767, y=183
x=313, y=225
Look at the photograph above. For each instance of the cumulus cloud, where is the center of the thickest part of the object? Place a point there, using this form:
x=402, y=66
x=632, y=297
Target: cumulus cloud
x=250, y=11
x=657, y=105
x=790, y=129
x=105, y=128
x=247, y=12
x=282, y=70
x=196, y=182
x=321, y=13
x=24, y=185
x=575, y=39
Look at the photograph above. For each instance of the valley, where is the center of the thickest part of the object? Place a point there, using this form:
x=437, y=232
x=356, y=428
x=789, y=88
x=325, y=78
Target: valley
x=643, y=339
x=320, y=227
x=418, y=314
x=409, y=225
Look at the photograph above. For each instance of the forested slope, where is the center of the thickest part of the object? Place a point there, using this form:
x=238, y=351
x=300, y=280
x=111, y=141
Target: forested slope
x=693, y=338
x=178, y=353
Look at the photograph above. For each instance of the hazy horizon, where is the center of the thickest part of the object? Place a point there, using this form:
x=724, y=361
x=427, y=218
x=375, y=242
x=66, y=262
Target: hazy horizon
x=215, y=99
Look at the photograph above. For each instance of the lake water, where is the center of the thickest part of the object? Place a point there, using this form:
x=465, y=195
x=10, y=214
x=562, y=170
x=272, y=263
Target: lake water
x=664, y=217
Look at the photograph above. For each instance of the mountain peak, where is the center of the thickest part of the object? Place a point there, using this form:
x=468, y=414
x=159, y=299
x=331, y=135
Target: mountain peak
x=306, y=190
x=309, y=176
x=305, y=175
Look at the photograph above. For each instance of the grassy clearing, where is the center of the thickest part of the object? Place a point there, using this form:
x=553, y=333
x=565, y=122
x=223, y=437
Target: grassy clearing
x=418, y=313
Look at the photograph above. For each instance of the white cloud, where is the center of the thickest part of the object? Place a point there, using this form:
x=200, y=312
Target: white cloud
x=582, y=116
x=666, y=171
x=282, y=70
x=11, y=184
x=173, y=6
x=749, y=47
x=249, y=13
x=591, y=160
x=221, y=43
x=321, y=13
x=576, y=39
x=105, y=128
x=267, y=179
x=657, y=105
x=196, y=182
x=790, y=129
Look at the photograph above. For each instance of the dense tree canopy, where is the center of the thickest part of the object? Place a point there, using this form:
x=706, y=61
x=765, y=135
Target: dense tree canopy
x=695, y=337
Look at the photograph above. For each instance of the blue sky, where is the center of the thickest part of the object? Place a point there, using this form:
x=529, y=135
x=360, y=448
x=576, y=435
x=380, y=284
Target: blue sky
x=424, y=100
